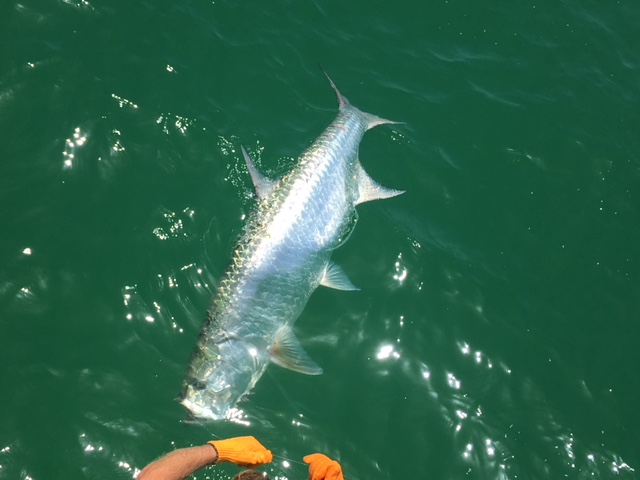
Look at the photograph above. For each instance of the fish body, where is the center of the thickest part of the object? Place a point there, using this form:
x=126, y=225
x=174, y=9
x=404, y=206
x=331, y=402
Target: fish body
x=282, y=256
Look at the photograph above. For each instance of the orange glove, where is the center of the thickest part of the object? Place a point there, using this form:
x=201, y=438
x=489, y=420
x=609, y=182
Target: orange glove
x=322, y=467
x=243, y=451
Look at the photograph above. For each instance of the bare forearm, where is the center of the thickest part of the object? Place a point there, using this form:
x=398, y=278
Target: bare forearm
x=180, y=463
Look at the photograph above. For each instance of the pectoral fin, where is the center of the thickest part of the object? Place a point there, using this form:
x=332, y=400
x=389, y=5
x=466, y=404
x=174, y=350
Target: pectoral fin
x=334, y=277
x=369, y=190
x=288, y=353
x=263, y=185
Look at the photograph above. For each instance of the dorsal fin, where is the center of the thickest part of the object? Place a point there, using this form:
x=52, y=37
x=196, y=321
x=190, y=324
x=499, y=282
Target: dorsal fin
x=263, y=185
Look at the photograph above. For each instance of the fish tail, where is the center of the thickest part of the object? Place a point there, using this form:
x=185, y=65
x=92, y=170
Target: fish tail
x=342, y=100
x=374, y=121
x=371, y=119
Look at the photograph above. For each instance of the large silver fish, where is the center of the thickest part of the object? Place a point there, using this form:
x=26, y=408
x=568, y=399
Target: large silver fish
x=281, y=257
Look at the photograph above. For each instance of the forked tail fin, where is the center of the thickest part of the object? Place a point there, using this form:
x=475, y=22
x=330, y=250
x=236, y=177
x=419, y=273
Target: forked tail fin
x=342, y=100
x=372, y=120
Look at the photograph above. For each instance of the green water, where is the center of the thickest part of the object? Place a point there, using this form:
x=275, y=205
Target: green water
x=495, y=334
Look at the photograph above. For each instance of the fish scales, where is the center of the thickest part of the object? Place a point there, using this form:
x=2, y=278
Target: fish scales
x=282, y=256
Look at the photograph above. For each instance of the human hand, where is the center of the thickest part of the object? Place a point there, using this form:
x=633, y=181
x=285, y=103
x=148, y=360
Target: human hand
x=322, y=467
x=243, y=451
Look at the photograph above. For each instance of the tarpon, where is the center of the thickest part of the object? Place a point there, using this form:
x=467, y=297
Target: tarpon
x=282, y=256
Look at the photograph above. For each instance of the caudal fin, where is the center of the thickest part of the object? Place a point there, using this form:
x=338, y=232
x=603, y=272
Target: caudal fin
x=342, y=100
x=372, y=120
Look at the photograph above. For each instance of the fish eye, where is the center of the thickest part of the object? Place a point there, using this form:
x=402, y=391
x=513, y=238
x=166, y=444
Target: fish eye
x=198, y=385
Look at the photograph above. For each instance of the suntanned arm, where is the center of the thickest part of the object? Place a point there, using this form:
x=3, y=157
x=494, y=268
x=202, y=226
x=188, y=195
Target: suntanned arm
x=180, y=463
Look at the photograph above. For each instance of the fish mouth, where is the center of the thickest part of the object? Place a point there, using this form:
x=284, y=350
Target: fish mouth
x=201, y=405
x=190, y=386
x=197, y=413
x=191, y=419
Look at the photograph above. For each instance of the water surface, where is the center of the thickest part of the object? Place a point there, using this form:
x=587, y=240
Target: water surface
x=495, y=334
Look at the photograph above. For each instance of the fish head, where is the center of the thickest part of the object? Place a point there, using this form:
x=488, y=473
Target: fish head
x=220, y=374
x=203, y=404
x=207, y=393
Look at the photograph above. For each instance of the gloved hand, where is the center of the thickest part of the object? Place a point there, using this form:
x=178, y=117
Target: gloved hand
x=322, y=467
x=243, y=451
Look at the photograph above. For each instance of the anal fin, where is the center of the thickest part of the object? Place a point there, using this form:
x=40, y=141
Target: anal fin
x=369, y=190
